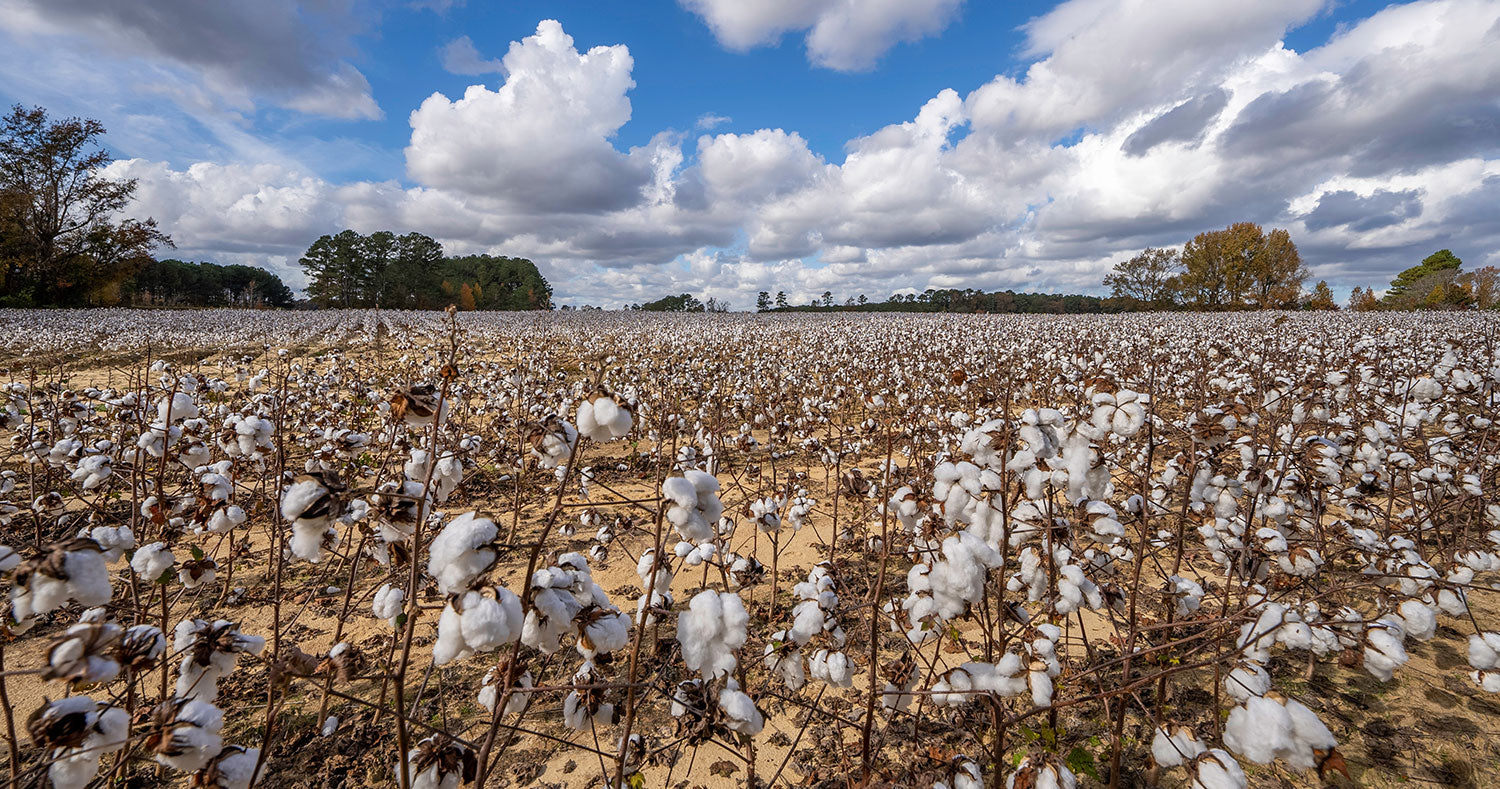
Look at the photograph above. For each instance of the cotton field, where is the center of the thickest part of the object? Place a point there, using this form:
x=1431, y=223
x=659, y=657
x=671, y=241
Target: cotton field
x=598, y=549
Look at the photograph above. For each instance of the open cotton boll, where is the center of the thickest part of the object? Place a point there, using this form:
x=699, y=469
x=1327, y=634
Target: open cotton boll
x=491, y=619
x=1484, y=651
x=9, y=558
x=740, y=711
x=1259, y=730
x=192, y=736
x=461, y=552
x=225, y=519
x=489, y=691
x=201, y=669
x=84, y=579
x=93, y=471
x=1383, y=652
x=1041, y=773
x=84, y=653
x=175, y=408
x=233, y=768
x=1268, y=728
x=1418, y=620
x=1174, y=747
x=115, y=540
x=451, y=763
x=152, y=561
x=602, y=419
x=710, y=631
x=450, y=644
x=1216, y=769
x=106, y=727
x=1247, y=680
x=784, y=658
x=388, y=603
x=831, y=668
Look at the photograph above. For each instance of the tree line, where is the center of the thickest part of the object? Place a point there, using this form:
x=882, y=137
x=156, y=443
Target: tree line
x=62, y=242
x=1244, y=267
x=952, y=300
x=410, y=271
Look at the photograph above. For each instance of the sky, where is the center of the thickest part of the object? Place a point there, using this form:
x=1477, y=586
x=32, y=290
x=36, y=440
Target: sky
x=725, y=147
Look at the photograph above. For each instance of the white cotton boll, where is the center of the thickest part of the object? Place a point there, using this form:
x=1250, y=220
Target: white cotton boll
x=1309, y=735
x=152, y=561
x=93, y=471
x=576, y=713
x=489, y=622
x=1247, y=680
x=1176, y=747
x=784, y=658
x=1418, y=620
x=450, y=644
x=461, y=552
x=1045, y=775
x=489, y=691
x=1040, y=684
x=177, y=407
x=1383, y=650
x=330, y=725
x=195, y=737
x=73, y=772
x=310, y=538
x=710, y=630
x=235, y=768
x=1484, y=650
x=740, y=710
x=9, y=559
x=1216, y=769
x=388, y=603
x=115, y=540
x=831, y=668
x=1259, y=730
x=1488, y=681
x=226, y=519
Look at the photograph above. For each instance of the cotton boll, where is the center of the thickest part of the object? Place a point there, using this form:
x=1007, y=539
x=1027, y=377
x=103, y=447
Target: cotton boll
x=84, y=653
x=1041, y=773
x=1247, y=680
x=1383, y=652
x=831, y=668
x=1259, y=730
x=1484, y=650
x=115, y=540
x=225, y=519
x=450, y=644
x=489, y=691
x=1040, y=684
x=461, y=552
x=740, y=711
x=176, y=408
x=388, y=603
x=1418, y=620
x=233, y=768
x=191, y=737
x=490, y=618
x=710, y=631
x=1174, y=747
x=1216, y=769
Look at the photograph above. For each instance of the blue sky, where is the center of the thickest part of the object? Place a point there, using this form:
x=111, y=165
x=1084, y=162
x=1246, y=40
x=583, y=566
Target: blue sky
x=728, y=146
